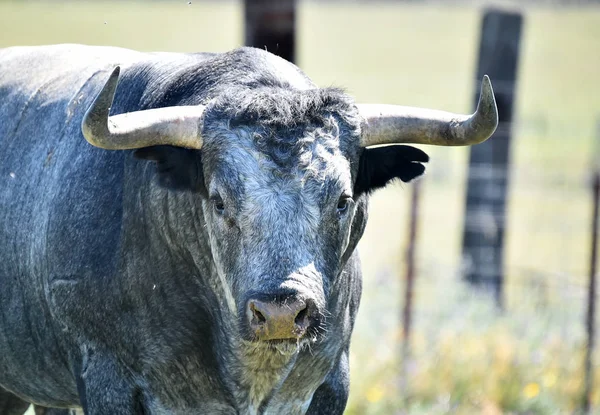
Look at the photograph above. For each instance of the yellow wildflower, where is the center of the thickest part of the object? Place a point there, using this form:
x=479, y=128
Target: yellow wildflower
x=374, y=394
x=531, y=390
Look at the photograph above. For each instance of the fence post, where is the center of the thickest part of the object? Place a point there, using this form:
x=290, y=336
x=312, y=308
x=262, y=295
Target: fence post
x=271, y=25
x=590, y=318
x=407, y=310
x=485, y=213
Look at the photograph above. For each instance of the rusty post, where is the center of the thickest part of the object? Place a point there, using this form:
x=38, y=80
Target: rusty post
x=591, y=303
x=407, y=310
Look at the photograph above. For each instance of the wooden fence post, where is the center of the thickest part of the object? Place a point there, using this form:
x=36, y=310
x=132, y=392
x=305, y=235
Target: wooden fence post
x=485, y=214
x=271, y=25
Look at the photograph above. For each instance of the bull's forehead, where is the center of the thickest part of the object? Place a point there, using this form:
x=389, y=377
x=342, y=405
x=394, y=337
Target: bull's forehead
x=302, y=168
x=281, y=138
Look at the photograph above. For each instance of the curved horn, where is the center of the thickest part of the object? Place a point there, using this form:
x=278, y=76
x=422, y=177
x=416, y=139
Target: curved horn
x=389, y=124
x=175, y=126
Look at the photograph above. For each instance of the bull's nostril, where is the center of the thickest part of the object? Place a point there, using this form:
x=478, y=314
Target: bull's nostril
x=257, y=316
x=301, y=319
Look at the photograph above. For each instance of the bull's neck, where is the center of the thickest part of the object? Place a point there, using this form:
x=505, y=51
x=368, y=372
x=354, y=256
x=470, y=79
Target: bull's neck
x=173, y=224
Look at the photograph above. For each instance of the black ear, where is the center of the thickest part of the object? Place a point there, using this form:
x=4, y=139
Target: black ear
x=178, y=168
x=379, y=166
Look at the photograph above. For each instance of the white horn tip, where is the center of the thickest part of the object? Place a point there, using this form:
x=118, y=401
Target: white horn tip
x=486, y=86
x=94, y=124
x=487, y=110
x=487, y=101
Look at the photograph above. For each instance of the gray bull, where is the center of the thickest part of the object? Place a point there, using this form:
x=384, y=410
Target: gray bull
x=221, y=277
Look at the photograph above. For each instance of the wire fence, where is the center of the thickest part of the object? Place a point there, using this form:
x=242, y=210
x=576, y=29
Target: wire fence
x=458, y=333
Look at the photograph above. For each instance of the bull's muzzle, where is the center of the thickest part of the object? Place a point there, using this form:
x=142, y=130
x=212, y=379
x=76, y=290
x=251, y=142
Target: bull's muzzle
x=280, y=320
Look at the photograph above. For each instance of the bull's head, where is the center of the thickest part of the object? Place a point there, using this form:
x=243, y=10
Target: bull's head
x=284, y=175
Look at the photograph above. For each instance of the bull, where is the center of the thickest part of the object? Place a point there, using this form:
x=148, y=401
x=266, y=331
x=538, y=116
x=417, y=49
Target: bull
x=200, y=255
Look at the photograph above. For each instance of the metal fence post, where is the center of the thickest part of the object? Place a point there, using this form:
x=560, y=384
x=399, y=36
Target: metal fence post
x=483, y=234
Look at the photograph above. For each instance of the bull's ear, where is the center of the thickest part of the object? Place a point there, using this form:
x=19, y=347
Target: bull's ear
x=178, y=168
x=380, y=165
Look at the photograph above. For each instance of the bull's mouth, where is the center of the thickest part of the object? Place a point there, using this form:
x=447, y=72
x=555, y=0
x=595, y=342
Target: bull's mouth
x=285, y=347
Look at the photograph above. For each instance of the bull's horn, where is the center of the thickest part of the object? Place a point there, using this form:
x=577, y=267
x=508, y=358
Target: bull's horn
x=176, y=126
x=389, y=124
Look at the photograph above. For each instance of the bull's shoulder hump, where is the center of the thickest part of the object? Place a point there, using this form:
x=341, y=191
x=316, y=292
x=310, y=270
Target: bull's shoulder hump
x=262, y=61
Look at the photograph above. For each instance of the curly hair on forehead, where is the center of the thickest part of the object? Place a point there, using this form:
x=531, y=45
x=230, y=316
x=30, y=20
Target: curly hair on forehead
x=287, y=122
x=283, y=108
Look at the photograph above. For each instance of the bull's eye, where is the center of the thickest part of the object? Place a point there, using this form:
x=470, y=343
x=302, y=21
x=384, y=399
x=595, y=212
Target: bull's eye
x=218, y=204
x=343, y=203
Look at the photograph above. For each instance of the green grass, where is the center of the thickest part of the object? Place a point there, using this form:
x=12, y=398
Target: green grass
x=465, y=357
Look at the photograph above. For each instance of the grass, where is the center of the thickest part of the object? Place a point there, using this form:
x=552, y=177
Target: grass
x=465, y=356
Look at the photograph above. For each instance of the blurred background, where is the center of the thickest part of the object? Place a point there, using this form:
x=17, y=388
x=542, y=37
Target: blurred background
x=496, y=318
